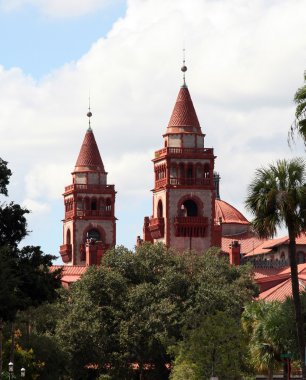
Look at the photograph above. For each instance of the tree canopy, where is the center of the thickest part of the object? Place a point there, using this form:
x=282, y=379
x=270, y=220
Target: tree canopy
x=122, y=318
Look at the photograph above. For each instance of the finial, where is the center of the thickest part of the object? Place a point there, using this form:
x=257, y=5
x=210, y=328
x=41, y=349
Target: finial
x=89, y=114
x=184, y=68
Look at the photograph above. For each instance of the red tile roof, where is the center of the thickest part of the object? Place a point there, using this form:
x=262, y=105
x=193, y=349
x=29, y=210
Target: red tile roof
x=70, y=273
x=228, y=213
x=89, y=157
x=281, y=291
x=184, y=117
x=248, y=241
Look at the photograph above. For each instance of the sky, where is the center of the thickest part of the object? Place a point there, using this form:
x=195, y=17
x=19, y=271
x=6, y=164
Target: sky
x=245, y=59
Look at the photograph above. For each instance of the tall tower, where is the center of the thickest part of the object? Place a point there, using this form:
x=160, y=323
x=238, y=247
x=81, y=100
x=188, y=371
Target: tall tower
x=184, y=190
x=89, y=226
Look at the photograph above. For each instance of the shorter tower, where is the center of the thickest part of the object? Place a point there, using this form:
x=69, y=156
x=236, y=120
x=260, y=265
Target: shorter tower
x=89, y=226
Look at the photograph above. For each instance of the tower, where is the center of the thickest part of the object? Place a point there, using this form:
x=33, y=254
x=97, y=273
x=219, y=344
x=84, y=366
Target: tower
x=89, y=226
x=184, y=190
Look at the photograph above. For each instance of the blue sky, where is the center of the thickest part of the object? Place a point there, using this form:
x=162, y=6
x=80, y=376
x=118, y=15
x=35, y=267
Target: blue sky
x=38, y=44
x=245, y=60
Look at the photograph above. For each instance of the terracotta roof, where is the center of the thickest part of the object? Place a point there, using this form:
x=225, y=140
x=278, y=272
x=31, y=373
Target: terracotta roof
x=264, y=273
x=281, y=291
x=228, y=213
x=89, y=157
x=184, y=117
x=70, y=270
x=248, y=241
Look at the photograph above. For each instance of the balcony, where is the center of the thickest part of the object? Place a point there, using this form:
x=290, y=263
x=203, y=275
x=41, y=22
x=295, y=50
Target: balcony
x=88, y=213
x=190, y=226
x=157, y=227
x=174, y=151
x=66, y=252
x=190, y=181
x=89, y=188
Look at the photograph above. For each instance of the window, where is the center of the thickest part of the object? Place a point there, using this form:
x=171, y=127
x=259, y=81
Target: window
x=160, y=209
x=189, y=208
x=93, y=234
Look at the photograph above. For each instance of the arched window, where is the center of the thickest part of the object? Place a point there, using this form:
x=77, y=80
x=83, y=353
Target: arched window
x=181, y=173
x=160, y=209
x=190, y=208
x=108, y=205
x=206, y=171
x=94, y=234
x=79, y=204
x=102, y=204
x=93, y=205
x=68, y=237
x=86, y=204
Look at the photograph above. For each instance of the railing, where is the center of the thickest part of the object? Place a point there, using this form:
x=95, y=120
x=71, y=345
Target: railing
x=180, y=151
x=86, y=213
x=190, y=226
x=191, y=181
x=86, y=187
x=267, y=263
x=183, y=182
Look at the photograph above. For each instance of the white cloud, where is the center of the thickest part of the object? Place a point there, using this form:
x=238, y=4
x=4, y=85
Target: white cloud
x=57, y=8
x=245, y=60
x=36, y=207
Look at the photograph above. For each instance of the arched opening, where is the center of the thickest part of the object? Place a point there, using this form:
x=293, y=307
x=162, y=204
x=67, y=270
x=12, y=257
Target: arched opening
x=68, y=237
x=160, y=209
x=206, y=171
x=93, y=204
x=94, y=234
x=108, y=205
x=79, y=204
x=87, y=204
x=190, y=208
x=181, y=174
x=102, y=205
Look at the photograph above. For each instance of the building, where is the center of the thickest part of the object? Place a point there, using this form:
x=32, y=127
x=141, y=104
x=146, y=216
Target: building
x=188, y=213
x=89, y=225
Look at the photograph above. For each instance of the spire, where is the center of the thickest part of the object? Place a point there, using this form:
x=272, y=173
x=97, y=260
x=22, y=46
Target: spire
x=89, y=114
x=184, y=69
x=89, y=157
x=184, y=117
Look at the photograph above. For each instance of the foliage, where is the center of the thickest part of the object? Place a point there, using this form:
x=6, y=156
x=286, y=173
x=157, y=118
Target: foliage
x=299, y=124
x=215, y=348
x=277, y=196
x=25, y=277
x=121, y=318
x=5, y=174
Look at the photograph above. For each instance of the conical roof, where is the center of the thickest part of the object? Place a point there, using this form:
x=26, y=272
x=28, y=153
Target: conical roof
x=184, y=117
x=89, y=157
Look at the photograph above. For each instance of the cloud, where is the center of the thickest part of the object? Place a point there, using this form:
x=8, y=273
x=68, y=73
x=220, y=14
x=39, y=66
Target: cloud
x=57, y=8
x=36, y=207
x=245, y=60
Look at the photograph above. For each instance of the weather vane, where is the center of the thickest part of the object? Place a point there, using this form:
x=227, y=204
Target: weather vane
x=184, y=68
x=89, y=113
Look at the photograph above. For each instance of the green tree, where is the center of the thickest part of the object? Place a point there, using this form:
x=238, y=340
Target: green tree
x=122, y=317
x=277, y=196
x=215, y=348
x=262, y=323
x=25, y=278
x=299, y=124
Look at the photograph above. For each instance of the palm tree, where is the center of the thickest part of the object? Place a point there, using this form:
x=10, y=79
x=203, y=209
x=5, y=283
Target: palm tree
x=276, y=197
x=299, y=124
